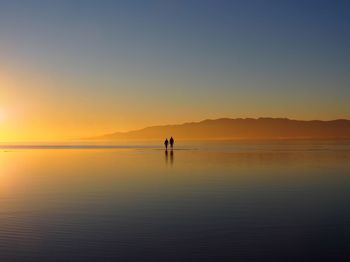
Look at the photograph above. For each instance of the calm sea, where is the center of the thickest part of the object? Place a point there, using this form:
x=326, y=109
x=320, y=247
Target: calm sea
x=204, y=201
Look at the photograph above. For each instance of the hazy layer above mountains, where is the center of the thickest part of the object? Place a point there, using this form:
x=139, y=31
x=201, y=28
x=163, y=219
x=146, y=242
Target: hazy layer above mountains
x=248, y=128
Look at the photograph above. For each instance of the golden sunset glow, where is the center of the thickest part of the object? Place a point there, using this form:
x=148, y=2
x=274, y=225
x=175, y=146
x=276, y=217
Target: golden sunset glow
x=37, y=108
x=63, y=79
x=187, y=130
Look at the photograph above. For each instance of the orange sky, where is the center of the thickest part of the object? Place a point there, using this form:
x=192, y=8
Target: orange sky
x=70, y=70
x=34, y=108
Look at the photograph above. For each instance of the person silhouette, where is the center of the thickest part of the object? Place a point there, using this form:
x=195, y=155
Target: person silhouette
x=166, y=144
x=172, y=142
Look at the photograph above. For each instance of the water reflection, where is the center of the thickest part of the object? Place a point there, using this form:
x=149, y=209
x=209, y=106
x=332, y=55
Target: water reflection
x=117, y=204
x=171, y=157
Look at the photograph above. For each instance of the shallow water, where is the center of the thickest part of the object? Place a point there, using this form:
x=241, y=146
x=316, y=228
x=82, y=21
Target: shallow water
x=237, y=201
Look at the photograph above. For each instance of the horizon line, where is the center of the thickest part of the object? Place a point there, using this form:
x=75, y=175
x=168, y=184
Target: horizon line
x=82, y=139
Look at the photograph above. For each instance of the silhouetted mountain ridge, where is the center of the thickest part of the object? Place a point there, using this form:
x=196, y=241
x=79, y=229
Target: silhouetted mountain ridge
x=242, y=128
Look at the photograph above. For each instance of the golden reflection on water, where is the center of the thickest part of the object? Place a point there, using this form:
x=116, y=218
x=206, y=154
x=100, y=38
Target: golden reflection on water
x=124, y=171
x=63, y=194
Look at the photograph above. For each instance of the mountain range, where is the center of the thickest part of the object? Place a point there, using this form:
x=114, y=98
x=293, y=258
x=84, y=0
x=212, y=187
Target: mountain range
x=241, y=128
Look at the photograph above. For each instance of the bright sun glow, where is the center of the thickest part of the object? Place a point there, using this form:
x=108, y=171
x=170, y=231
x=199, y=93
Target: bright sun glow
x=2, y=116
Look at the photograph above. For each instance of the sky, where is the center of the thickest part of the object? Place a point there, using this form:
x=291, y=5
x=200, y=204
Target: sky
x=72, y=69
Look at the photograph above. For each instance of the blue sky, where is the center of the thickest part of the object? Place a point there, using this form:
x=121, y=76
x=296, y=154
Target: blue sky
x=204, y=58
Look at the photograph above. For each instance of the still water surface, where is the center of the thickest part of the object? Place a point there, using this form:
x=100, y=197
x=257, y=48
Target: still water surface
x=243, y=201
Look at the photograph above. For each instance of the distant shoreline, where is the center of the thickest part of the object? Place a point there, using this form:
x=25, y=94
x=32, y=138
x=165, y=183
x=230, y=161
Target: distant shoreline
x=156, y=144
x=238, y=129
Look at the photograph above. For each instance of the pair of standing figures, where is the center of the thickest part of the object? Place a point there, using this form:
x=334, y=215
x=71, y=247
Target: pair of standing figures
x=171, y=141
